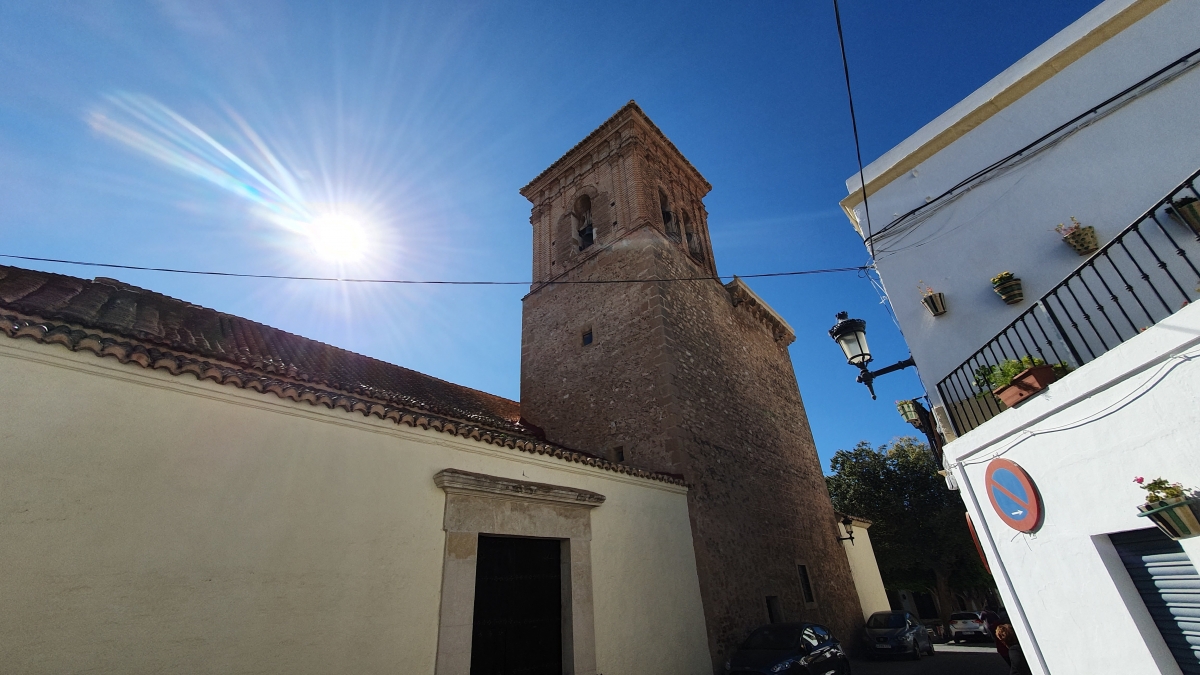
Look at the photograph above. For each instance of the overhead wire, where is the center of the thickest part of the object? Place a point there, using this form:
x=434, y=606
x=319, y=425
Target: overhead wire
x=837, y=14
x=998, y=164
x=290, y=277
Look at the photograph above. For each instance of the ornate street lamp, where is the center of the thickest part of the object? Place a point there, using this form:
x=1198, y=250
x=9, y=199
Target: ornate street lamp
x=851, y=336
x=848, y=525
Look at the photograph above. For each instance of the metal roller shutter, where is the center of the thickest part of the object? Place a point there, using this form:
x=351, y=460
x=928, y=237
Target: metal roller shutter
x=1169, y=585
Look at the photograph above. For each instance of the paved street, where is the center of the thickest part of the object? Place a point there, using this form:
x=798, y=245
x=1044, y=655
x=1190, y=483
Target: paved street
x=949, y=660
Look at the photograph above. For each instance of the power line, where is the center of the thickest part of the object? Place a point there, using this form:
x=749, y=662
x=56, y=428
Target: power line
x=1001, y=163
x=287, y=277
x=837, y=14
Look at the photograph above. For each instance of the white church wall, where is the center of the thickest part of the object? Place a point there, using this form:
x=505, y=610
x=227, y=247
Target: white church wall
x=155, y=523
x=1133, y=411
x=865, y=569
x=1106, y=175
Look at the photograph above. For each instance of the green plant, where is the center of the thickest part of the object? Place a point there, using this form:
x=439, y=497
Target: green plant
x=995, y=377
x=1001, y=278
x=1159, y=489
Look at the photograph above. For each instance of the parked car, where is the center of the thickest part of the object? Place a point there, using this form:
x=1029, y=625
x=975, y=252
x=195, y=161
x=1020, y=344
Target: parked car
x=789, y=649
x=968, y=626
x=896, y=633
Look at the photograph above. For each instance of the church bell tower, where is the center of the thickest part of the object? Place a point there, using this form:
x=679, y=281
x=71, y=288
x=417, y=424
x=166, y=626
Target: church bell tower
x=632, y=349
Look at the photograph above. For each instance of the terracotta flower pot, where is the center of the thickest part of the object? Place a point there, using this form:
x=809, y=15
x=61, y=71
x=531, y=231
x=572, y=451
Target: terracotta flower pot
x=1189, y=211
x=935, y=303
x=1027, y=383
x=1175, y=516
x=1083, y=240
x=1010, y=291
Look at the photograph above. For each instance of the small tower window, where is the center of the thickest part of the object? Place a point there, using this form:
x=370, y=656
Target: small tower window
x=693, y=239
x=618, y=454
x=587, y=336
x=583, y=222
x=669, y=222
x=806, y=585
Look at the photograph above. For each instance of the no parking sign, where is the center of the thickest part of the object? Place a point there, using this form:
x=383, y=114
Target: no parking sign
x=1013, y=495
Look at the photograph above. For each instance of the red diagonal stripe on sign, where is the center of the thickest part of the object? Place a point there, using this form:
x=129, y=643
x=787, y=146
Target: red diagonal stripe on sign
x=1011, y=496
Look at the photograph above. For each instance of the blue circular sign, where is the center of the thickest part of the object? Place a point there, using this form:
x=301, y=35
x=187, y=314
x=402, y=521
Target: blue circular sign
x=1013, y=495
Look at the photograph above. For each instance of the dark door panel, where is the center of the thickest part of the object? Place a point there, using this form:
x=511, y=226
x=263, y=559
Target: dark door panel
x=518, y=607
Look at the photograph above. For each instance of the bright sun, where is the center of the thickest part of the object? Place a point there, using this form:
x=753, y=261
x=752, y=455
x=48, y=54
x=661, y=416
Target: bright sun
x=337, y=237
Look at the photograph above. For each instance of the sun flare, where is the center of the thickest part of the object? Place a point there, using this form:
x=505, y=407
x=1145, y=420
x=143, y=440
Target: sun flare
x=337, y=237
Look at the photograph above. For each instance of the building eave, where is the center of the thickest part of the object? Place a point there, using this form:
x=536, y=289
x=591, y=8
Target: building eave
x=1072, y=43
x=148, y=356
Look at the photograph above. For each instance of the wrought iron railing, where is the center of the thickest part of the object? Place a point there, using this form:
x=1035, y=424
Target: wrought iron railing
x=1145, y=274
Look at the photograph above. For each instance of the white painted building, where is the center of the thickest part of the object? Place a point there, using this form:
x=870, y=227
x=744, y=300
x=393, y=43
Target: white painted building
x=1100, y=123
x=872, y=596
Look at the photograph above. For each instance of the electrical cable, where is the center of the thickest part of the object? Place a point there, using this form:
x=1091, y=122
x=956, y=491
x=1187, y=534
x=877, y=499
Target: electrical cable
x=1001, y=162
x=837, y=14
x=286, y=277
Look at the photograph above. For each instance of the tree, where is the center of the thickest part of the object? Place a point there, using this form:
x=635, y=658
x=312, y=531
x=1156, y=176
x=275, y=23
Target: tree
x=918, y=529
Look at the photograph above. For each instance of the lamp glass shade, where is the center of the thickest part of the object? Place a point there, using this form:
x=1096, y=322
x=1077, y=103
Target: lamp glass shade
x=851, y=336
x=849, y=526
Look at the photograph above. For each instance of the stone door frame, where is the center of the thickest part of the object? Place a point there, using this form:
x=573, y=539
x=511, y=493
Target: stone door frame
x=480, y=504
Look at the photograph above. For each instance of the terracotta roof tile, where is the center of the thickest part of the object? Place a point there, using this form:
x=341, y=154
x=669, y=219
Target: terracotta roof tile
x=155, y=319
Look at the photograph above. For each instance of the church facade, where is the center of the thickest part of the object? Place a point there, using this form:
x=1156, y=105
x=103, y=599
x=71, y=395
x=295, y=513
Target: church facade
x=183, y=490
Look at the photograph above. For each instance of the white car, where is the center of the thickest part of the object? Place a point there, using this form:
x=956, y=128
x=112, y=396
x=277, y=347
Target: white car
x=967, y=625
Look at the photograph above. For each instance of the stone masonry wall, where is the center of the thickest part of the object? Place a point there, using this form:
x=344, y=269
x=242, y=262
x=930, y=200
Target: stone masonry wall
x=682, y=381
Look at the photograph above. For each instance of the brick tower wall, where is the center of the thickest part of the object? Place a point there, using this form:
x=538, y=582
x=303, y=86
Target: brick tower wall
x=689, y=377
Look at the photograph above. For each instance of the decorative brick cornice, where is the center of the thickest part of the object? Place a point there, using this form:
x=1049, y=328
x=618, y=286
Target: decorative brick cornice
x=154, y=358
x=629, y=111
x=742, y=296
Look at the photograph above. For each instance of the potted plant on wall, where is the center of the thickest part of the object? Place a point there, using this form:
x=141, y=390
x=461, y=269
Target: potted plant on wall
x=908, y=410
x=1188, y=209
x=934, y=302
x=1008, y=288
x=1082, y=239
x=1015, y=380
x=1170, y=508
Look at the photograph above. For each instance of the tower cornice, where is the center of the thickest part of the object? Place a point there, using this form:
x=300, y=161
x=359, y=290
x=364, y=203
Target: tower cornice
x=629, y=114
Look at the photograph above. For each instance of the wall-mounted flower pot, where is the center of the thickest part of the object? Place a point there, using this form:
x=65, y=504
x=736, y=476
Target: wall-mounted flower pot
x=935, y=303
x=1010, y=291
x=1027, y=383
x=1083, y=240
x=1188, y=209
x=908, y=410
x=1175, y=516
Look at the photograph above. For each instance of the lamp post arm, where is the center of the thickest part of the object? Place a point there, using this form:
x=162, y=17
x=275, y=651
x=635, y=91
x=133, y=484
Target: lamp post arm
x=900, y=365
x=867, y=376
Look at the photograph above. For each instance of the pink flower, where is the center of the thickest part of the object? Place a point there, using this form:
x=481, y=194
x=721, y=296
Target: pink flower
x=1138, y=479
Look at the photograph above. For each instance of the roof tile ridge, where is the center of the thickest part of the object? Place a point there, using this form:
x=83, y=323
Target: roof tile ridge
x=155, y=358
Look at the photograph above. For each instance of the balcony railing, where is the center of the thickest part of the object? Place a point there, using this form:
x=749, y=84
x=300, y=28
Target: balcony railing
x=1145, y=274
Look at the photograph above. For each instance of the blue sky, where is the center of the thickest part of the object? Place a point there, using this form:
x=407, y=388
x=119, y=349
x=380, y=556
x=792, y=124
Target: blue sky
x=423, y=119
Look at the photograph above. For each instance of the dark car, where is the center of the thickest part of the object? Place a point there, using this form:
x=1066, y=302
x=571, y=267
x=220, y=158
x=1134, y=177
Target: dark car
x=791, y=648
x=896, y=634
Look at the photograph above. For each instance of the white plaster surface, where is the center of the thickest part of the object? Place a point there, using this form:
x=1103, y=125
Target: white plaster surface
x=1106, y=175
x=994, y=87
x=153, y=523
x=1133, y=411
x=865, y=570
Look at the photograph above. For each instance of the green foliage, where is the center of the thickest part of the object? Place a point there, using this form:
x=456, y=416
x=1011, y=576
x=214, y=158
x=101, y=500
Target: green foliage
x=1001, y=278
x=918, y=528
x=995, y=377
x=1159, y=489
